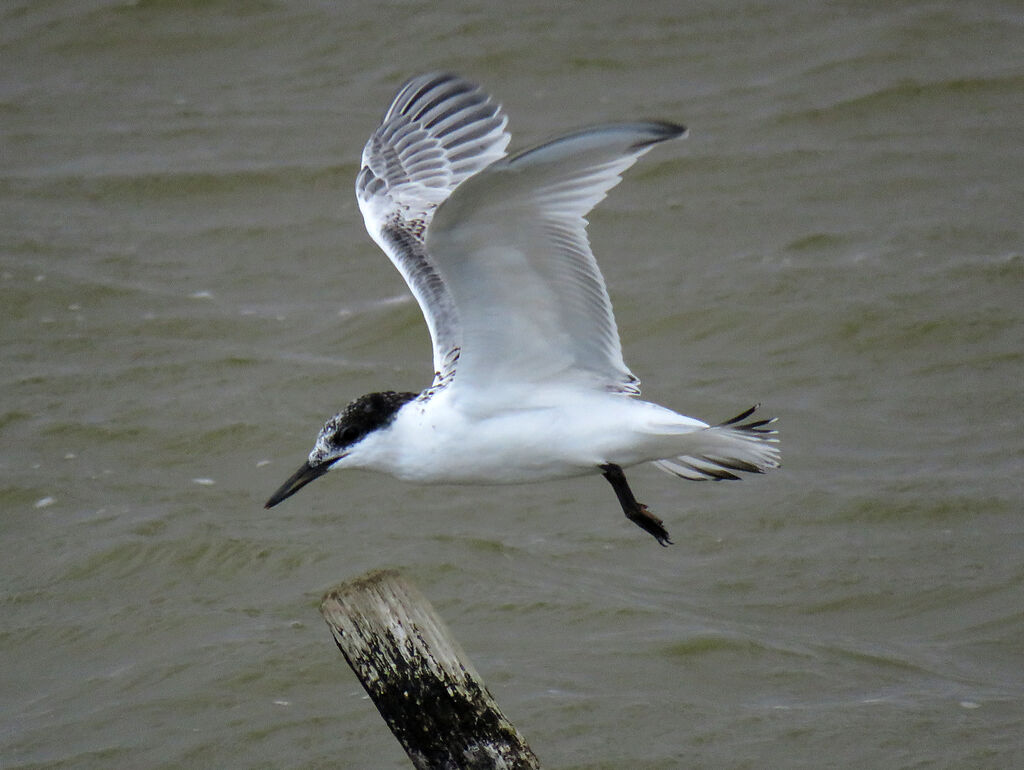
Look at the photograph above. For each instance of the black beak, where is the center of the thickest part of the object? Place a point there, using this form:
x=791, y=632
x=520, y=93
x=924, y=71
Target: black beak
x=299, y=479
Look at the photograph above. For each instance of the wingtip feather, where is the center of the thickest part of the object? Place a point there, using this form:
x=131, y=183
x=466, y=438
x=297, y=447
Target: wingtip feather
x=661, y=131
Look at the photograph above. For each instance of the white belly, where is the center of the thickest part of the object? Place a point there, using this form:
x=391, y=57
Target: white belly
x=433, y=442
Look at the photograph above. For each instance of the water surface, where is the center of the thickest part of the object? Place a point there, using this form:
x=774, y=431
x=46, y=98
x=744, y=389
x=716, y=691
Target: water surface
x=187, y=292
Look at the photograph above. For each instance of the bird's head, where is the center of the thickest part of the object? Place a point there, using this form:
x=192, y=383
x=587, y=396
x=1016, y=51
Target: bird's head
x=341, y=437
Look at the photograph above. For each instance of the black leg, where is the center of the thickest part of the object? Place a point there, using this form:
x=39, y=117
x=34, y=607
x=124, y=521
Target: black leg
x=635, y=512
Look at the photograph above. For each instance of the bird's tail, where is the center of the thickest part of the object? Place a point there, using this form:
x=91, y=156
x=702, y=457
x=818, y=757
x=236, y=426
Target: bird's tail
x=717, y=451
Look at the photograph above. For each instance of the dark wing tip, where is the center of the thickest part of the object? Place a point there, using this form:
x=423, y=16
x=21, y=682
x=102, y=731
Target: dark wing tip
x=659, y=131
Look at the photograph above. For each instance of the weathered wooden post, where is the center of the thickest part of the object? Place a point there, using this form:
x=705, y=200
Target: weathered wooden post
x=420, y=680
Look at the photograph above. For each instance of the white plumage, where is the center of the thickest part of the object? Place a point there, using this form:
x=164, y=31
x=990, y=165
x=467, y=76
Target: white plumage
x=529, y=381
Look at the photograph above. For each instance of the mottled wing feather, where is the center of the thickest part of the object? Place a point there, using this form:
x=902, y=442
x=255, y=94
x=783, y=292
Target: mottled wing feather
x=439, y=131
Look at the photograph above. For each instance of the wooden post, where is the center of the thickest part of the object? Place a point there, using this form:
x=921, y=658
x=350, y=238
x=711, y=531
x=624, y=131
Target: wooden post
x=419, y=679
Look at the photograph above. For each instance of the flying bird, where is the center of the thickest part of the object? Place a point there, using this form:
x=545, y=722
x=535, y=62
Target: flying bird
x=529, y=380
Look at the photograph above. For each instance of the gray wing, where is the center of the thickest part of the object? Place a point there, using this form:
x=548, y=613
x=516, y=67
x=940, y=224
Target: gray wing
x=439, y=131
x=511, y=243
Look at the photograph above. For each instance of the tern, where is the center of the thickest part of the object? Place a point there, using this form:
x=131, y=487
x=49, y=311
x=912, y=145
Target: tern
x=529, y=380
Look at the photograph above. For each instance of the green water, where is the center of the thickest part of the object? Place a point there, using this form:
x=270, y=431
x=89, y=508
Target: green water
x=186, y=292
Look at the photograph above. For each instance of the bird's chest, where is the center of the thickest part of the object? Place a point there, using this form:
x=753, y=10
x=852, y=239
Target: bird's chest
x=512, y=446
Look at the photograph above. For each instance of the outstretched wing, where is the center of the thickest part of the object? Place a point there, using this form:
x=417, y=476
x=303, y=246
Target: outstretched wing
x=512, y=246
x=439, y=131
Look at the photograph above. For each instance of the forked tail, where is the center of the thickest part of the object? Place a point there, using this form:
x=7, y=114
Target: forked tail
x=717, y=451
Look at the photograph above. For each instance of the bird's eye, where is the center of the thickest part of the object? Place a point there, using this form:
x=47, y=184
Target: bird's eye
x=345, y=435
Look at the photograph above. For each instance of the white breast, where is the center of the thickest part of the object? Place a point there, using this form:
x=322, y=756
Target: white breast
x=547, y=436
